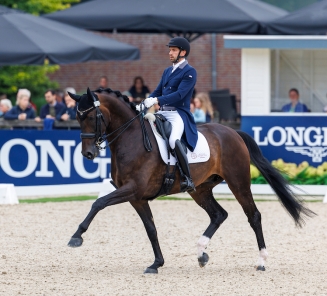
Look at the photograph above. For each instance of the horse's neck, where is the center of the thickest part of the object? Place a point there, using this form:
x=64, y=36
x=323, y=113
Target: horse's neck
x=120, y=114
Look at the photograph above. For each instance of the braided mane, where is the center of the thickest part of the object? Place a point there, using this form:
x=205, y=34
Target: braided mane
x=118, y=94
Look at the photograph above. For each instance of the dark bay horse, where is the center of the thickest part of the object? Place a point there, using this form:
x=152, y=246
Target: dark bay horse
x=138, y=174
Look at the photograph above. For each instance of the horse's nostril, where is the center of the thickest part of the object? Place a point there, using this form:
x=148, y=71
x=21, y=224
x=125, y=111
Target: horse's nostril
x=89, y=155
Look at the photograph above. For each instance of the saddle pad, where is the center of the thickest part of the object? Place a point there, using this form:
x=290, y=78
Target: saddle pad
x=201, y=152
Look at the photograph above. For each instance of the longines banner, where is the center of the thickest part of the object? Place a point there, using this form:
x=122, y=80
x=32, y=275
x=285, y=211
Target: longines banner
x=292, y=138
x=31, y=157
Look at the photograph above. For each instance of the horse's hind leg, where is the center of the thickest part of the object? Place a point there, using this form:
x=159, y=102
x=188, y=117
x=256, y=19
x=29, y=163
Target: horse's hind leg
x=204, y=198
x=245, y=198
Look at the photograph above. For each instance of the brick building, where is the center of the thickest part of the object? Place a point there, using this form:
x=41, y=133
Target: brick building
x=154, y=59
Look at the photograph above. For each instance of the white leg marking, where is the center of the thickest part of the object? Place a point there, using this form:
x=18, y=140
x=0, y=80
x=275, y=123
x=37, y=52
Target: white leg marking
x=202, y=244
x=263, y=255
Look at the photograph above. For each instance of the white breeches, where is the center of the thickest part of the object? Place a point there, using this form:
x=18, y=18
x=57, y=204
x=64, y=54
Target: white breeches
x=177, y=126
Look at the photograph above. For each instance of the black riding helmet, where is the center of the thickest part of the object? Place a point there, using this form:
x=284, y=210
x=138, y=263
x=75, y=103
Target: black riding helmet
x=182, y=44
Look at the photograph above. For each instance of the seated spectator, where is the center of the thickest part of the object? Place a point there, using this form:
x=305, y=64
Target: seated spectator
x=5, y=106
x=139, y=91
x=52, y=108
x=103, y=82
x=60, y=96
x=295, y=105
x=69, y=112
x=22, y=111
x=199, y=115
x=26, y=92
x=206, y=105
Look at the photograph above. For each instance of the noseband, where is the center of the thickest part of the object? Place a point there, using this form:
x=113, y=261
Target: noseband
x=101, y=138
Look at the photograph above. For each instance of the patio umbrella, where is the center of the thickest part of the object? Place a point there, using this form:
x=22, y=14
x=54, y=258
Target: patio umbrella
x=170, y=16
x=309, y=20
x=28, y=39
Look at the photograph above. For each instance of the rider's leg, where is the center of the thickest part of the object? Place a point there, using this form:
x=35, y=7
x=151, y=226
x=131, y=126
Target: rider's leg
x=177, y=131
x=187, y=184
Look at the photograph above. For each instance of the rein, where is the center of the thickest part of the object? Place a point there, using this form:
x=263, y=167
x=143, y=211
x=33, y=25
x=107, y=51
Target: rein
x=103, y=138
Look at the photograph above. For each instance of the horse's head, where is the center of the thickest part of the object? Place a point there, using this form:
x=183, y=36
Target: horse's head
x=93, y=119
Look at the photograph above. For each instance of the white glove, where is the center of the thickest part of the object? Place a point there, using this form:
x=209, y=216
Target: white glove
x=150, y=102
x=138, y=107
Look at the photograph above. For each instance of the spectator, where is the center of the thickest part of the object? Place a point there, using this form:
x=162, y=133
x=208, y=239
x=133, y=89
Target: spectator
x=68, y=113
x=104, y=82
x=22, y=111
x=295, y=105
x=139, y=91
x=199, y=115
x=5, y=106
x=206, y=105
x=26, y=92
x=52, y=108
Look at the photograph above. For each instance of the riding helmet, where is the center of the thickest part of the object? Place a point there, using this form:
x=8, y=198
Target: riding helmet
x=181, y=43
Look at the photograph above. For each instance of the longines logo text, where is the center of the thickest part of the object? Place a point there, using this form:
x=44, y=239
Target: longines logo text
x=310, y=141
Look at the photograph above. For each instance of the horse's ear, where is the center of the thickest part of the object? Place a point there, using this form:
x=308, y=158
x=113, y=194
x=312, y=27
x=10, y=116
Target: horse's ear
x=76, y=98
x=91, y=95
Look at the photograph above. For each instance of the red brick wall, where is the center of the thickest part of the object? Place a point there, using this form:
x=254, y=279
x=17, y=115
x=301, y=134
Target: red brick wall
x=154, y=59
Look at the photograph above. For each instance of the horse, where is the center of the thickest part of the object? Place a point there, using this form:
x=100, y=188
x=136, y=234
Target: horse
x=138, y=173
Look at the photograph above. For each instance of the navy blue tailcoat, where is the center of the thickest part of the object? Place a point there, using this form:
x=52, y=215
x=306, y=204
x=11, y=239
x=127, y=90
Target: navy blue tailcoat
x=176, y=89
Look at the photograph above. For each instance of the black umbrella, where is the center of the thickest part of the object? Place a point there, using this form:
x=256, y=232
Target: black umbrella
x=306, y=21
x=28, y=39
x=170, y=16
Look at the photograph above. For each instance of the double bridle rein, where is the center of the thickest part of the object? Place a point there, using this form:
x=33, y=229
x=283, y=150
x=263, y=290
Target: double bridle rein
x=101, y=138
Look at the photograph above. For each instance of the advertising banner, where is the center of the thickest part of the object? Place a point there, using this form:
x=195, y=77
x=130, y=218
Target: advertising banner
x=32, y=157
x=293, y=138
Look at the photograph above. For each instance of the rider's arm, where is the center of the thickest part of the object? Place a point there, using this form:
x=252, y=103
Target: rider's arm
x=186, y=85
x=158, y=91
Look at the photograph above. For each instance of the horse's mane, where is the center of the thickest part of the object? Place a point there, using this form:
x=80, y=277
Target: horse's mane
x=132, y=105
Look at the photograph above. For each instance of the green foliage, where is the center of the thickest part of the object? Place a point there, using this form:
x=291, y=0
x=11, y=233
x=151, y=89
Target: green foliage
x=290, y=5
x=38, y=6
x=33, y=78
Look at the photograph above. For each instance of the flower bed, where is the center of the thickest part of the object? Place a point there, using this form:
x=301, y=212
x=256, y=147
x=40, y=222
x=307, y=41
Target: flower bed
x=295, y=174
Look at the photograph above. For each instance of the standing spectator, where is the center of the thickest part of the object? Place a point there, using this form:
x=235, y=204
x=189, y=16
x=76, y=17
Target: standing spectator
x=22, y=111
x=68, y=113
x=199, y=115
x=206, y=105
x=139, y=91
x=295, y=105
x=52, y=108
x=26, y=92
x=104, y=82
x=5, y=106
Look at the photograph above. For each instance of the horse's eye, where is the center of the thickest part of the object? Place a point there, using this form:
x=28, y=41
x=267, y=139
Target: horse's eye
x=91, y=118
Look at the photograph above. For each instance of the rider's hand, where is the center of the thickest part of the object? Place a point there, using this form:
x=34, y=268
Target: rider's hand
x=150, y=102
x=138, y=107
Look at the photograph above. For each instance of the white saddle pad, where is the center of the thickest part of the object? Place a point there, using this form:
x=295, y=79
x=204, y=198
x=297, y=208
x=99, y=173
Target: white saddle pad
x=201, y=152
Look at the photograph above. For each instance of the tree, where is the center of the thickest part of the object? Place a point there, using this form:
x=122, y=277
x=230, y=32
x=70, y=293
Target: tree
x=290, y=5
x=38, y=6
x=33, y=78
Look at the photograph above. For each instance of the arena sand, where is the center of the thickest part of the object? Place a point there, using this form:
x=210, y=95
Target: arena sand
x=34, y=258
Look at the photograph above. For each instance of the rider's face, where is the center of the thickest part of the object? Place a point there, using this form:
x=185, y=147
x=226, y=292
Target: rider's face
x=173, y=53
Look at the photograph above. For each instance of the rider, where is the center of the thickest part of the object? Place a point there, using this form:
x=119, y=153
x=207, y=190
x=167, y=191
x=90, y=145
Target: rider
x=174, y=94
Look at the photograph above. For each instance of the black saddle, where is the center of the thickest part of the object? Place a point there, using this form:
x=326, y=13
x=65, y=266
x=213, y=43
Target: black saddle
x=163, y=126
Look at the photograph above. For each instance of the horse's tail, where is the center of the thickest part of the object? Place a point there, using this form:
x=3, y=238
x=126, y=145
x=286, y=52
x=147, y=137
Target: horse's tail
x=292, y=203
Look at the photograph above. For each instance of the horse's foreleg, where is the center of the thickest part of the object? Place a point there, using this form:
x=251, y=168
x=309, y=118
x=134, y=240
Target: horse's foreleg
x=204, y=198
x=123, y=194
x=143, y=209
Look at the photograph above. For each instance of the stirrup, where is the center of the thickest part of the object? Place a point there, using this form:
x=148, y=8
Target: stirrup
x=187, y=185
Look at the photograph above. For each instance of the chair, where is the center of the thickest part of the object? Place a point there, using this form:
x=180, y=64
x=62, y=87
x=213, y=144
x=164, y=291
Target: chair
x=224, y=104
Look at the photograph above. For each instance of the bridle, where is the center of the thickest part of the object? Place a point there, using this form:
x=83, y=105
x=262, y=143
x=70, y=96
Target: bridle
x=101, y=138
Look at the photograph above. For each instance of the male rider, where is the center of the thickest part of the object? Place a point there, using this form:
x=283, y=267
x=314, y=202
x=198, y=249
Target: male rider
x=173, y=94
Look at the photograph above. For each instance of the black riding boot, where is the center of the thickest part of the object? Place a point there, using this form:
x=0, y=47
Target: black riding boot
x=187, y=184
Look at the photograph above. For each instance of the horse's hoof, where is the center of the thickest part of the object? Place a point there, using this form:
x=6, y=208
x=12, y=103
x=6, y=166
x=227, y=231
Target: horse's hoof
x=75, y=242
x=261, y=268
x=203, y=260
x=151, y=270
